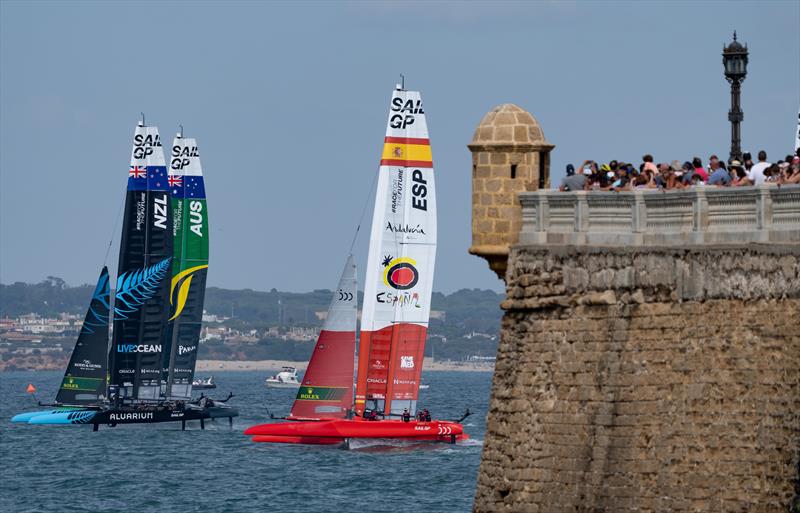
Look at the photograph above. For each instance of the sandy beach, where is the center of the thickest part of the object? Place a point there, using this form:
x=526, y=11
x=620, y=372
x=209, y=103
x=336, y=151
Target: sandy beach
x=275, y=365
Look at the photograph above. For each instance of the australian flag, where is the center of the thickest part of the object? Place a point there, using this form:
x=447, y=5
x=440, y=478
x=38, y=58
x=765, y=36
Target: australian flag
x=195, y=188
x=176, y=185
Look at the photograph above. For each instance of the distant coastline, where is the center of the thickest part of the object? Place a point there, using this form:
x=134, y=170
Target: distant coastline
x=268, y=366
x=210, y=366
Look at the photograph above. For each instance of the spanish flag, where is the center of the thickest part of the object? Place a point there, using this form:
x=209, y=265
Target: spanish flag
x=406, y=152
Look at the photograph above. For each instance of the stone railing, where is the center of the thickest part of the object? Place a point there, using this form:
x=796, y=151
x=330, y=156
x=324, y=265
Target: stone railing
x=711, y=215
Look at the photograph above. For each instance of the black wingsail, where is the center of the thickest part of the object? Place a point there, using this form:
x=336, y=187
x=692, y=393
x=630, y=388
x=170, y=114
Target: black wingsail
x=85, y=379
x=141, y=303
x=189, y=267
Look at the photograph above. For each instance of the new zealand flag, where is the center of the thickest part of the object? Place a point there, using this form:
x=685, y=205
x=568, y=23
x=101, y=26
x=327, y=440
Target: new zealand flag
x=137, y=178
x=157, y=178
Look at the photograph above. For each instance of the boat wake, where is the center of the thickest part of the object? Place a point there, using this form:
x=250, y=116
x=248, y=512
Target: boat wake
x=471, y=442
x=381, y=445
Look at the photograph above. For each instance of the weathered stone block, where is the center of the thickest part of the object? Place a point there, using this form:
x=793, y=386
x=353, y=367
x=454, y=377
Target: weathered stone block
x=498, y=158
x=504, y=134
x=493, y=185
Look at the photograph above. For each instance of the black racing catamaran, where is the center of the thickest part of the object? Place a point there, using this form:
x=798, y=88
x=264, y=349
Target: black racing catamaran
x=146, y=374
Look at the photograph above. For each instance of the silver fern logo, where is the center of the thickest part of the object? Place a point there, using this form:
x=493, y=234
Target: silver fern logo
x=134, y=288
x=81, y=417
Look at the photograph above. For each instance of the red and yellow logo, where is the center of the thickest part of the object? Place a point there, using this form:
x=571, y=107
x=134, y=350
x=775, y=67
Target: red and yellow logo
x=400, y=273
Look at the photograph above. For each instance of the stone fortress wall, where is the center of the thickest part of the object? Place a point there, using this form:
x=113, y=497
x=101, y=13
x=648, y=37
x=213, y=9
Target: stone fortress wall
x=650, y=353
x=612, y=392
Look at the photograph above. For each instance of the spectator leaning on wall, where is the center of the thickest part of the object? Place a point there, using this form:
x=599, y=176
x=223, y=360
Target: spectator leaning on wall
x=698, y=168
x=792, y=173
x=756, y=174
x=574, y=182
x=713, y=165
x=748, y=161
x=738, y=174
x=720, y=176
x=687, y=172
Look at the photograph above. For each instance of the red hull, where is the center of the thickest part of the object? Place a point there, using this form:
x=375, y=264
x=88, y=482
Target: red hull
x=310, y=440
x=336, y=430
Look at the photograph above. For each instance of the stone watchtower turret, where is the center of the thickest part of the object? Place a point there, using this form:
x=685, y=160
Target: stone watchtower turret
x=509, y=155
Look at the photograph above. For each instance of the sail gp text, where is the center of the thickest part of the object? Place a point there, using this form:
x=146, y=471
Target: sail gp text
x=140, y=348
x=143, y=145
x=181, y=156
x=405, y=111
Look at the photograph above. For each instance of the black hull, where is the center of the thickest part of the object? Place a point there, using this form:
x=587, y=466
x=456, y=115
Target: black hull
x=142, y=414
x=162, y=414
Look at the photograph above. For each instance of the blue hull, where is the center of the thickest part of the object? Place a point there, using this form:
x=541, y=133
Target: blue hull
x=27, y=416
x=64, y=417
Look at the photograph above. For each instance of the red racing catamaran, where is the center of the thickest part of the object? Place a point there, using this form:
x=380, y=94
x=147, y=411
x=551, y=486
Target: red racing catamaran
x=396, y=309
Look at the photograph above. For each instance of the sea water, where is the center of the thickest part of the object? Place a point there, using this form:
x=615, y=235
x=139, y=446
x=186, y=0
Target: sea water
x=159, y=468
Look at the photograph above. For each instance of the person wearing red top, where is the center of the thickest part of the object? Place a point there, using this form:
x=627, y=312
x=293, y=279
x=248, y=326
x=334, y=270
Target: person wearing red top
x=698, y=168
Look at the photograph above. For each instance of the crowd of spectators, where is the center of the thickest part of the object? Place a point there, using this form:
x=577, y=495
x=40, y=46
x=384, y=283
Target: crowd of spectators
x=622, y=176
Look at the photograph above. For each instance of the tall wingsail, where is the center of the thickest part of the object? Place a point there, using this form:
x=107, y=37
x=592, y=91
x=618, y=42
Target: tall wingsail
x=399, y=275
x=85, y=379
x=189, y=269
x=141, y=305
x=327, y=389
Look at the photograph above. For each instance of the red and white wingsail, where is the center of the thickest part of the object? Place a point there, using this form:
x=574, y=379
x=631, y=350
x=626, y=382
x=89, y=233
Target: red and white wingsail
x=399, y=276
x=327, y=389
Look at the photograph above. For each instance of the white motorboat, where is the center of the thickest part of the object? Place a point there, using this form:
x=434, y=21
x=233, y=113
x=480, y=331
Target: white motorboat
x=286, y=378
x=204, y=384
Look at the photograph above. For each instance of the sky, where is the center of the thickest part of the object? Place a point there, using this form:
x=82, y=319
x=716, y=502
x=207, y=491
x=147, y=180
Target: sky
x=288, y=102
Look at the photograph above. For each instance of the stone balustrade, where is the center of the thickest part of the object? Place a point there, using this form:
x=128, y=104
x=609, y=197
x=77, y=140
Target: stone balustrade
x=650, y=217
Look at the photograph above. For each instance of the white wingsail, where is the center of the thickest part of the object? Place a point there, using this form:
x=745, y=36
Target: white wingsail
x=797, y=133
x=400, y=265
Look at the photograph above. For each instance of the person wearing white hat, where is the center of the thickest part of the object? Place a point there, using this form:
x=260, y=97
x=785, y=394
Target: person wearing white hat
x=738, y=174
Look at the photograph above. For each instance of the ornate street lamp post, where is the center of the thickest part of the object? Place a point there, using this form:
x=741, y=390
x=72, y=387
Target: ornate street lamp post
x=734, y=58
